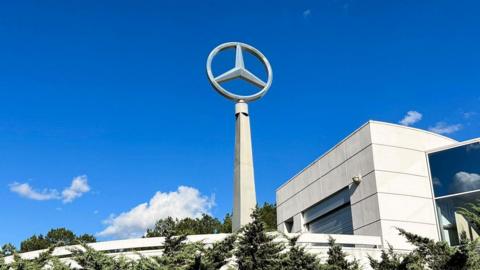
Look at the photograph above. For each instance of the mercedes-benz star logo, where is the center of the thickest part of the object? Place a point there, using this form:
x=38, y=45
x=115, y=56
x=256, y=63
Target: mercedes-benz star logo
x=239, y=71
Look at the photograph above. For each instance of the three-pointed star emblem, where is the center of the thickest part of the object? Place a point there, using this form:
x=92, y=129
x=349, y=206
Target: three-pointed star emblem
x=239, y=71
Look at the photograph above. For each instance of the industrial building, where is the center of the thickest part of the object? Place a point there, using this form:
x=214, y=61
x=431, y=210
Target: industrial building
x=383, y=177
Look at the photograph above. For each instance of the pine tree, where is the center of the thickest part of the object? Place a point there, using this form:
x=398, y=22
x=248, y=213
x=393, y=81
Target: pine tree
x=56, y=264
x=145, y=263
x=337, y=259
x=472, y=252
x=268, y=214
x=256, y=249
x=298, y=259
x=227, y=224
x=3, y=265
x=57, y=237
x=428, y=253
x=89, y=258
x=43, y=261
x=172, y=243
x=177, y=254
x=218, y=255
x=162, y=227
x=8, y=249
x=389, y=260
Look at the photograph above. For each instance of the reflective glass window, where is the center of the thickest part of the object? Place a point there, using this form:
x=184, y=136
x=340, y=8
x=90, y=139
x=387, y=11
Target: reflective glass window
x=455, y=175
x=456, y=170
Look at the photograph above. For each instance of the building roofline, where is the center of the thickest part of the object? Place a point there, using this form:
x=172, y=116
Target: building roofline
x=325, y=153
x=457, y=144
x=413, y=128
x=356, y=131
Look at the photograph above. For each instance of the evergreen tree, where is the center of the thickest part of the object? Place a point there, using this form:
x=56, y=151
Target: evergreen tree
x=209, y=225
x=85, y=238
x=428, y=253
x=90, y=259
x=145, y=263
x=41, y=262
x=256, y=249
x=185, y=257
x=337, y=259
x=227, y=224
x=204, y=225
x=34, y=243
x=268, y=214
x=8, y=249
x=177, y=254
x=56, y=264
x=173, y=244
x=218, y=255
x=298, y=259
x=162, y=226
x=3, y=265
x=60, y=236
x=389, y=260
x=57, y=237
x=472, y=253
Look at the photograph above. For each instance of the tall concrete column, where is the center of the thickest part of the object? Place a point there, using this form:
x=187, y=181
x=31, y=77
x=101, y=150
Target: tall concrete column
x=244, y=181
x=244, y=200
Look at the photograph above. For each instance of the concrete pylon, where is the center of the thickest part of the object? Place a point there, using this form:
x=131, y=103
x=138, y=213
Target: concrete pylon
x=244, y=200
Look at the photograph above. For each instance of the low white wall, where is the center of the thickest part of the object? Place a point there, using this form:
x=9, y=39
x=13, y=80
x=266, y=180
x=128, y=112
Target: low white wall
x=358, y=247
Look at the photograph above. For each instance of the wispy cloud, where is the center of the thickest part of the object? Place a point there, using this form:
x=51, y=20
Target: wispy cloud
x=411, y=118
x=444, y=128
x=77, y=188
x=26, y=191
x=306, y=13
x=185, y=202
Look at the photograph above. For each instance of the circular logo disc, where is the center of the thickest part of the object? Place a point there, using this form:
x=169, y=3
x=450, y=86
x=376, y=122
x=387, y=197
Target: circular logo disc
x=239, y=71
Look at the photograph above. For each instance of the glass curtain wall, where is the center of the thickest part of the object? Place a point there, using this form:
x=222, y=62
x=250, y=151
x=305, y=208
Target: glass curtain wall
x=455, y=175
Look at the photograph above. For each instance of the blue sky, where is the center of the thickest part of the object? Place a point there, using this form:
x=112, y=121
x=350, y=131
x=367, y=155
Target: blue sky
x=103, y=104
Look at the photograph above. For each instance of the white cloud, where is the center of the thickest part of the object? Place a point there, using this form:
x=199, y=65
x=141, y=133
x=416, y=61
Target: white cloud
x=78, y=187
x=26, y=191
x=465, y=181
x=307, y=13
x=444, y=128
x=185, y=202
x=411, y=118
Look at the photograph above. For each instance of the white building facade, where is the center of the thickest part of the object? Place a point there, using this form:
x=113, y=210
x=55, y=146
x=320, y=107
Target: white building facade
x=379, y=179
